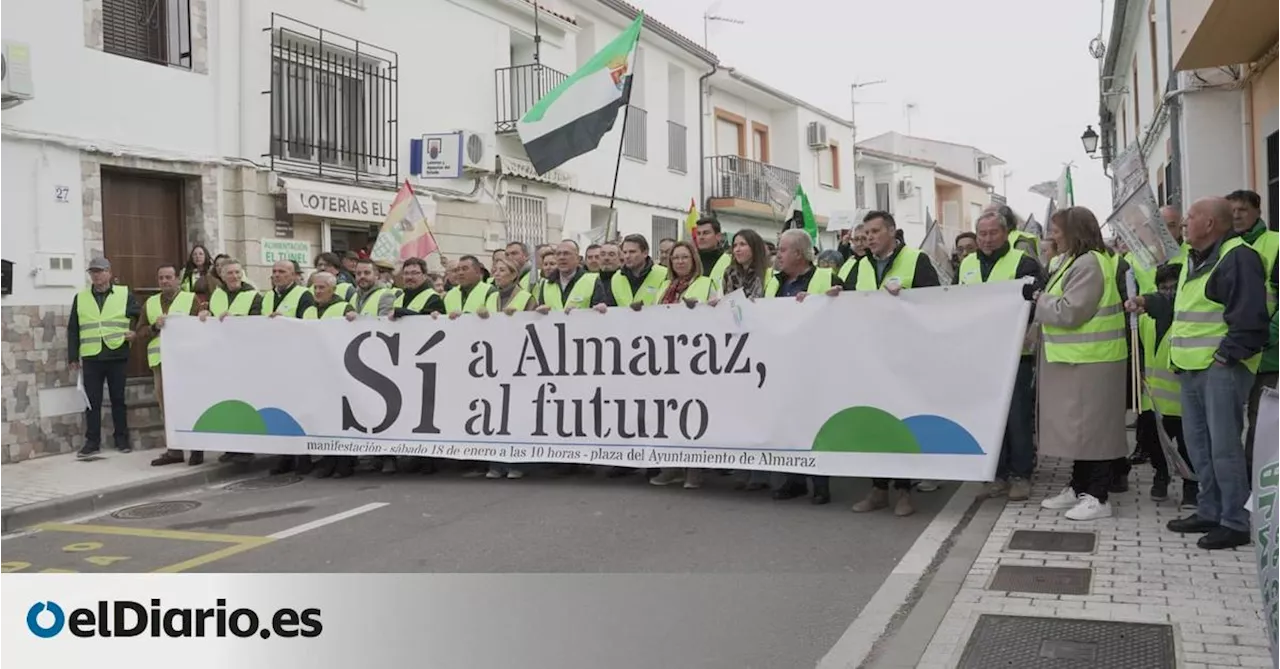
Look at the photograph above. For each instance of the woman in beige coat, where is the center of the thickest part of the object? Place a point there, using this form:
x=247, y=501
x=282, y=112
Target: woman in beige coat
x=1082, y=402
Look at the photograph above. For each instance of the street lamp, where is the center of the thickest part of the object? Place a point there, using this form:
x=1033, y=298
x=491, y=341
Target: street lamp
x=1090, y=141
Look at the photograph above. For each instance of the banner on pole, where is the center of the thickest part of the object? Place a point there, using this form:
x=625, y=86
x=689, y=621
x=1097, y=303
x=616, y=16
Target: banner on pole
x=1266, y=490
x=764, y=385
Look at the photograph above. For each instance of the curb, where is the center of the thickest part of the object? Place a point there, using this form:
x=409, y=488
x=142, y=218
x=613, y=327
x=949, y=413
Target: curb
x=106, y=499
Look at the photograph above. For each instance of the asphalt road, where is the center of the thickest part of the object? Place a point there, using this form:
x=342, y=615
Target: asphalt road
x=761, y=583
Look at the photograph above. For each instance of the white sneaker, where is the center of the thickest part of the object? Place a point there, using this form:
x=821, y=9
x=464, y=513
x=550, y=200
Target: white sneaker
x=1064, y=500
x=1089, y=508
x=927, y=486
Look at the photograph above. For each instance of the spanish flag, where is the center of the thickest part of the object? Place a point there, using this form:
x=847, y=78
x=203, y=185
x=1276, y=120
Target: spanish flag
x=690, y=221
x=406, y=232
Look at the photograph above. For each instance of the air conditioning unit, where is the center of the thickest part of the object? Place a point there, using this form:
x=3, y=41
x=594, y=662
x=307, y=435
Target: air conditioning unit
x=15, y=71
x=817, y=134
x=477, y=154
x=906, y=188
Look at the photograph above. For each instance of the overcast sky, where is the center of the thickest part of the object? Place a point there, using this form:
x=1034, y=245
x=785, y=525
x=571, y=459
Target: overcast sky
x=1012, y=77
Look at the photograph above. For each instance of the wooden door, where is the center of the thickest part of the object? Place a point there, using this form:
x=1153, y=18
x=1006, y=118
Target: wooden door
x=142, y=228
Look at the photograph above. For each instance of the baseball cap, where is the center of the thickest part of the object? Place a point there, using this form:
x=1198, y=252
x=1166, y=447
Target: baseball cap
x=99, y=263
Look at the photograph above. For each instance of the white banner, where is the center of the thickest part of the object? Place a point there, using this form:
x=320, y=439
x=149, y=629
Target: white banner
x=863, y=384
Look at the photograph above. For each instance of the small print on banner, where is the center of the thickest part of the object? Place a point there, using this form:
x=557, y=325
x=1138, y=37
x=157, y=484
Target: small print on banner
x=1266, y=498
x=734, y=386
x=1138, y=224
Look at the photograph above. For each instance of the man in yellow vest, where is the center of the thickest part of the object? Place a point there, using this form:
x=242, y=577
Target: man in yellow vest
x=591, y=258
x=639, y=279
x=1246, y=209
x=237, y=299
x=569, y=285
x=664, y=251
x=518, y=254
x=329, y=262
x=712, y=250
x=1220, y=327
x=328, y=305
x=169, y=301
x=892, y=266
x=287, y=297
x=99, y=332
x=471, y=292
x=995, y=260
x=796, y=278
x=419, y=297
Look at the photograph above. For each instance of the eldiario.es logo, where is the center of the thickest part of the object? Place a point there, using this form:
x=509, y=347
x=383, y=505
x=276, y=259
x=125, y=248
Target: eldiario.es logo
x=124, y=618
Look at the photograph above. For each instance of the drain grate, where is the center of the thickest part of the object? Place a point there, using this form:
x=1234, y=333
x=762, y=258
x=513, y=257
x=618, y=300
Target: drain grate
x=155, y=510
x=1053, y=542
x=1044, y=580
x=264, y=483
x=1055, y=643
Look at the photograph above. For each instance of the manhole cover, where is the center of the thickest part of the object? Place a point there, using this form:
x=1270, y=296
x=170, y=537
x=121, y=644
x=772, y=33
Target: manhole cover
x=1058, y=542
x=1044, y=580
x=265, y=483
x=1055, y=643
x=154, y=510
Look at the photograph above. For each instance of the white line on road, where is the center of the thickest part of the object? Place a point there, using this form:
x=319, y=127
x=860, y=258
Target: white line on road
x=857, y=641
x=327, y=520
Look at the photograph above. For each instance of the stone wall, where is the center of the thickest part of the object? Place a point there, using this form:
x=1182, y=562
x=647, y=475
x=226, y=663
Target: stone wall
x=34, y=351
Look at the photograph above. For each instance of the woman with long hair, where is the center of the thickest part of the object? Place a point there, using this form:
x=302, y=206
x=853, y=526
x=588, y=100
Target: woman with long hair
x=198, y=264
x=749, y=272
x=1083, y=365
x=686, y=284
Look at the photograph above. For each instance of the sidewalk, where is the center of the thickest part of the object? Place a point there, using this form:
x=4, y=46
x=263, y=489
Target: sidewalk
x=59, y=486
x=1203, y=607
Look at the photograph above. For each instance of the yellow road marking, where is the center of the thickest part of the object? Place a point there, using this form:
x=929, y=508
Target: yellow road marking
x=148, y=533
x=82, y=547
x=201, y=560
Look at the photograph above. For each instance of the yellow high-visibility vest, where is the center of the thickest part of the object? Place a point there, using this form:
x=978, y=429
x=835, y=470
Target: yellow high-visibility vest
x=105, y=326
x=182, y=304
x=1101, y=338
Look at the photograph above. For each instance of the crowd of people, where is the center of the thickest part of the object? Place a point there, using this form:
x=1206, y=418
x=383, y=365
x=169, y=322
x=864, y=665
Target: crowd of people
x=1206, y=342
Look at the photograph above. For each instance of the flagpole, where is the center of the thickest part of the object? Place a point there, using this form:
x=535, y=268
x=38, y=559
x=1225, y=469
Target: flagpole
x=622, y=136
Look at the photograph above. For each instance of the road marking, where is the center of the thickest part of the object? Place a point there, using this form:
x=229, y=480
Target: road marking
x=327, y=520
x=201, y=560
x=249, y=543
x=857, y=642
x=148, y=533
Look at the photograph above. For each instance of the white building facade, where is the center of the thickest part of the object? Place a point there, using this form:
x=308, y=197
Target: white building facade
x=283, y=129
x=759, y=143
x=900, y=185
x=962, y=176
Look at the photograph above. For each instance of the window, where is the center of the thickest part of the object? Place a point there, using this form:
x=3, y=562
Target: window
x=760, y=141
x=526, y=219
x=333, y=103
x=663, y=228
x=1273, y=178
x=883, y=201
x=635, y=143
x=832, y=159
x=1124, y=128
x=1160, y=192
x=860, y=192
x=983, y=167
x=158, y=31
x=730, y=134
x=677, y=133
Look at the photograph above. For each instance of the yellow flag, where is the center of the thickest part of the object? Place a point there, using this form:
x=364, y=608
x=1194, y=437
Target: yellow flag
x=690, y=221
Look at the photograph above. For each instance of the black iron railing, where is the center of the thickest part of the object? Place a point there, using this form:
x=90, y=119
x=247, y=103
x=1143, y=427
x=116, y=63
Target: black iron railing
x=677, y=147
x=736, y=177
x=157, y=31
x=518, y=88
x=334, y=104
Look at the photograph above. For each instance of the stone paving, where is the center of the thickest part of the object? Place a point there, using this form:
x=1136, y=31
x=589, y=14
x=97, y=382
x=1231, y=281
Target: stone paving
x=1142, y=573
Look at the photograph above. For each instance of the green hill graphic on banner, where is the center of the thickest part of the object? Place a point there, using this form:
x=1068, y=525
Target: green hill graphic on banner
x=867, y=429
x=237, y=417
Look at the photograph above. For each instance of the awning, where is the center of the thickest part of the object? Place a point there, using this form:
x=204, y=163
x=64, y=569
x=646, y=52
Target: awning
x=1228, y=33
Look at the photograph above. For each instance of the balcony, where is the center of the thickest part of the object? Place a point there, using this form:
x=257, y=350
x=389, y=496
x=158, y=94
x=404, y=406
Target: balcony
x=334, y=104
x=749, y=187
x=518, y=88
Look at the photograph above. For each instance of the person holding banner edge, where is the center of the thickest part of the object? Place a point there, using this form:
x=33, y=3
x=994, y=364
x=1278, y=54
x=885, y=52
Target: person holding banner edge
x=996, y=260
x=712, y=253
x=569, y=285
x=1220, y=327
x=893, y=266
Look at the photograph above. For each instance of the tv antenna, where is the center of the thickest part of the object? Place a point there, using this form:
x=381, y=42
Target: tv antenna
x=707, y=20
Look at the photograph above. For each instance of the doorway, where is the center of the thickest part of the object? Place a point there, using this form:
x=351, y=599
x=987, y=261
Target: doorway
x=142, y=228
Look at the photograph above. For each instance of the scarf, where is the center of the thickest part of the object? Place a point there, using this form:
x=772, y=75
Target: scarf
x=675, y=290
x=505, y=294
x=739, y=277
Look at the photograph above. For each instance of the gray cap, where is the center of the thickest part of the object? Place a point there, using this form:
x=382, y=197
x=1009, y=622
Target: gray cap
x=99, y=263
